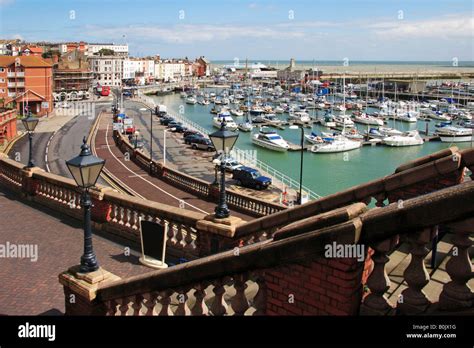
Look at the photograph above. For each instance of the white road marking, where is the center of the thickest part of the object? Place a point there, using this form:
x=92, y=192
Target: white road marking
x=149, y=182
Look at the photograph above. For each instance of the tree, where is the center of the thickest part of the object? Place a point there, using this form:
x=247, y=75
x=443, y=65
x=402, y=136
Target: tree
x=105, y=52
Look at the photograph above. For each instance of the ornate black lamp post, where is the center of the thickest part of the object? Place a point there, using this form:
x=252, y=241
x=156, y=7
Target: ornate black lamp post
x=30, y=124
x=223, y=140
x=85, y=169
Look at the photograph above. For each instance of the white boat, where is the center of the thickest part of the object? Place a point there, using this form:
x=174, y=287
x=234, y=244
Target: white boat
x=246, y=127
x=382, y=132
x=227, y=119
x=343, y=121
x=236, y=112
x=313, y=138
x=406, y=139
x=300, y=116
x=279, y=110
x=363, y=118
x=270, y=140
x=337, y=144
x=340, y=108
x=191, y=100
x=406, y=117
x=440, y=116
x=454, y=134
x=328, y=121
x=183, y=94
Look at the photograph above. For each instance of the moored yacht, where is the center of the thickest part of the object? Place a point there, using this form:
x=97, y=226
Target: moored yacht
x=454, y=134
x=300, y=116
x=406, y=139
x=363, y=118
x=337, y=144
x=227, y=119
x=270, y=140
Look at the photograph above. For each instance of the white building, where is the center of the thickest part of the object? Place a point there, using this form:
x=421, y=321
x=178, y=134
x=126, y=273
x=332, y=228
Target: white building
x=171, y=70
x=107, y=70
x=121, y=50
x=142, y=70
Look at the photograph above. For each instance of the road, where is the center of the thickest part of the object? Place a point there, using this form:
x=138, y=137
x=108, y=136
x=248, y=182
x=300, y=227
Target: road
x=58, y=139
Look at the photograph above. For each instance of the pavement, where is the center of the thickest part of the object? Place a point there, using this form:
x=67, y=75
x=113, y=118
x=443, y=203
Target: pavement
x=32, y=288
x=140, y=181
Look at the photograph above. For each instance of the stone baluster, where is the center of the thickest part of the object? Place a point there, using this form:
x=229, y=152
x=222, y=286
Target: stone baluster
x=260, y=299
x=412, y=300
x=457, y=294
x=111, y=307
x=124, y=306
x=239, y=302
x=114, y=213
x=182, y=299
x=219, y=306
x=121, y=215
x=137, y=304
x=189, y=244
x=378, y=282
x=150, y=303
x=179, y=236
x=200, y=307
x=165, y=300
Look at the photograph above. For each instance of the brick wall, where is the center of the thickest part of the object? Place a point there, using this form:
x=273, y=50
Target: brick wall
x=318, y=287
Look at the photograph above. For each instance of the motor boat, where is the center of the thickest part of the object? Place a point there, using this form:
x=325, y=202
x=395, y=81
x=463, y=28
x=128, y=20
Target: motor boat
x=406, y=117
x=236, y=112
x=363, y=118
x=278, y=110
x=338, y=143
x=270, y=139
x=343, y=121
x=406, y=139
x=191, y=100
x=300, y=116
x=314, y=138
x=454, y=134
x=382, y=132
x=227, y=119
x=328, y=121
x=246, y=126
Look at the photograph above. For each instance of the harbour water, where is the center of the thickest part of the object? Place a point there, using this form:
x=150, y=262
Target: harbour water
x=323, y=173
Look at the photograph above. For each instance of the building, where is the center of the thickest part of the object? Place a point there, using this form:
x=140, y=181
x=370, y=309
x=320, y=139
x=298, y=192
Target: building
x=31, y=50
x=72, y=72
x=120, y=50
x=26, y=82
x=107, y=70
x=140, y=70
x=202, y=67
x=291, y=73
x=170, y=70
x=10, y=47
x=73, y=46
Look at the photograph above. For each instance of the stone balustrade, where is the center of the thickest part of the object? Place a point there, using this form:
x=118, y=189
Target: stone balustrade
x=292, y=274
x=249, y=205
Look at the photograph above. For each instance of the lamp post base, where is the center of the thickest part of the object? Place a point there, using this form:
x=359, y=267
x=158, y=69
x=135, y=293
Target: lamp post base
x=88, y=263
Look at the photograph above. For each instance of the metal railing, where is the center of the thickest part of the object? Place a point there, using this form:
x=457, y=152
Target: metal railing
x=280, y=180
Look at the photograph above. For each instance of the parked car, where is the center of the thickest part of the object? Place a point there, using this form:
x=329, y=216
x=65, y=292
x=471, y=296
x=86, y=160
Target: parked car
x=192, y=137
x=250, y=177
x=190, y=132
x=173, y=124
x=179, y=129
x=165, y=120
x=230, y=163
x=202, y=144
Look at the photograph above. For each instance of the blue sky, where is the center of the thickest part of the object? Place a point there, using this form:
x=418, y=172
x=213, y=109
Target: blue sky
x=270, y=30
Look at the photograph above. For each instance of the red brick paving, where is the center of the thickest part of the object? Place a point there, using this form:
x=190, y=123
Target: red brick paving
x=32, y=288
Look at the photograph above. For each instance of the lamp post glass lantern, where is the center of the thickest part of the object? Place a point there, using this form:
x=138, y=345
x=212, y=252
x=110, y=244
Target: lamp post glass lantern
x=85, y=169
x=223, y=141
x=30, y=124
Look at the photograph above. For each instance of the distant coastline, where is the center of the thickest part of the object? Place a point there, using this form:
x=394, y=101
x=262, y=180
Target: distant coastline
x=333, y=66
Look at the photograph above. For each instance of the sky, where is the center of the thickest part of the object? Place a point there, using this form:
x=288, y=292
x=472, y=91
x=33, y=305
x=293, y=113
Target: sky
x=408, y=30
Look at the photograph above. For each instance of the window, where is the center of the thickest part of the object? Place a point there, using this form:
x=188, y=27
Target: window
x=2, y=90
x=2, y=80
x=2, y=69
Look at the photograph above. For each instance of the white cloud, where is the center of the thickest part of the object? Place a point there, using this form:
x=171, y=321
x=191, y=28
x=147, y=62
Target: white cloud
x=194, y=33
x=442, y=28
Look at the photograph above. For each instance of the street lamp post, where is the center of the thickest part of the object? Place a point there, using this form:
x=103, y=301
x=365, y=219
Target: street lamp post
x=300, y=196
x=151, y=136
x=85, y=169
x=137, y=133
x=30, y=124
x=223, y=140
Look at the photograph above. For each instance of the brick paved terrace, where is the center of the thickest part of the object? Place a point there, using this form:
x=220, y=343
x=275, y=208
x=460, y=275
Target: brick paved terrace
x=32, y=288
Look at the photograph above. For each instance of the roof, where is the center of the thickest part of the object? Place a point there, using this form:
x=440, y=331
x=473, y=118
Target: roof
x=26, y=61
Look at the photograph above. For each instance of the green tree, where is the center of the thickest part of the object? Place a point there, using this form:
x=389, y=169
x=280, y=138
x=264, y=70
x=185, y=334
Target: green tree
x=105, y=52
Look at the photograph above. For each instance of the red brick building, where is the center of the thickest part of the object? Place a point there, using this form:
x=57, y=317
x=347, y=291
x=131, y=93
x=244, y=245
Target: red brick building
x=7, y=125
x=26, y=82
x=201, y=67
